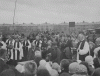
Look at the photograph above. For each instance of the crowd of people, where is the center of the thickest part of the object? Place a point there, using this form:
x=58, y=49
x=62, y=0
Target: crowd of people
x=49, y=54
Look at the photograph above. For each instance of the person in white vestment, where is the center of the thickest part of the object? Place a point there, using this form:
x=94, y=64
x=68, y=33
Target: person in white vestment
x=26, y=46
x=37, y=42
x=82, y=48
x=10, y=43
x=17, y=52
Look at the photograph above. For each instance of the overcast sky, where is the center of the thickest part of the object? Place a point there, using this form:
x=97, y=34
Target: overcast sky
x=51, y=11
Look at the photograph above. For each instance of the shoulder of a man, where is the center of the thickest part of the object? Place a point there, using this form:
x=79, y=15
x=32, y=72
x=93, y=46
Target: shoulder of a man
x=8, y=72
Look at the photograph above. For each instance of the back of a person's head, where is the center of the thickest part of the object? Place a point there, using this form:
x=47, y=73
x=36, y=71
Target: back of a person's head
x=42, y=63
x=96, y=72
x=89, y=60
x=42, y=72
x=37, y=53
x=73, y=67
x=65, y=65
x=30, y=68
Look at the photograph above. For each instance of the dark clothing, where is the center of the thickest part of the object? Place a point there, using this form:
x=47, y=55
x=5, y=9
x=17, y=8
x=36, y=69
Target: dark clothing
x=68, y=53
x=96, y=63
x=37, y=60
x=66, y=50
x=64, y=74
x=82, y=45
x=3, y=66
x=31, y=54
x=69, y=43
x=25, y=49
x=12, y=62
x=11, y=72
x=63, y=46
x=91, y=70
x=82, y=57
x=55, y=55
x=44, y=54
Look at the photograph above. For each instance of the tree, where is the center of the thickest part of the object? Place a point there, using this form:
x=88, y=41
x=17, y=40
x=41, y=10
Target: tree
x=83, y=21
x=23, y=23
x=31, y=23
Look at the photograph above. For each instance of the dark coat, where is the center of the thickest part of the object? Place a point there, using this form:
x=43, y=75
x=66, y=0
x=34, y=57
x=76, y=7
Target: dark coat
x=37, y=60
x=31, y=54
x=3, y=66
x=64, y=74
x=11, y=72
x=55, y=55
x=96, y=63
x=68, y=53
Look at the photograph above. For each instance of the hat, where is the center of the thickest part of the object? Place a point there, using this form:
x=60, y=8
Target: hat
x=89, y=60
x=56, y=66
x=43, y=72
x=54, y=73
x=30, y=68
x=48, y=67
x=73, y=67
x=82, y=69
x=42, y=63
x=37, y=53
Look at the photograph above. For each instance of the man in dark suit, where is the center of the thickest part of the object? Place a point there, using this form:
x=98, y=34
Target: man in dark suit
x=55, y=53
x=3, y=55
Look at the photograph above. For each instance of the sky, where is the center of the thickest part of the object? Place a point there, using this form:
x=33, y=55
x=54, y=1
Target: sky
x=51, y=11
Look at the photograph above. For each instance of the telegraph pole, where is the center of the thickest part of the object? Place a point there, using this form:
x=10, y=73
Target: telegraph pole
x=14, y=15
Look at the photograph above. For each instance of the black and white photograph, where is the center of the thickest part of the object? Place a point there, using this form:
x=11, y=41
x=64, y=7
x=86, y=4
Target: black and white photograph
x=49, y=37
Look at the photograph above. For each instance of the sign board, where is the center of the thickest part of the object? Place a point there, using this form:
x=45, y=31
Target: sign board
x=71, y=24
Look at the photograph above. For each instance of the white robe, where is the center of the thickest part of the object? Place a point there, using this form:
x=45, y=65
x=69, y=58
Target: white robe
x=84, y=51
x=29, y=46
x=40, y=43
x=20, y=50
